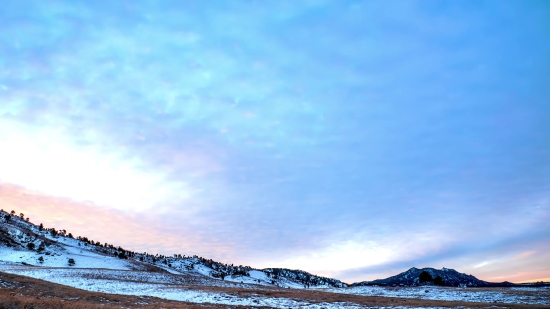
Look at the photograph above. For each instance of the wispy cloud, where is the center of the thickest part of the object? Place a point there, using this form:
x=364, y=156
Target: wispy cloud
x=285, y=131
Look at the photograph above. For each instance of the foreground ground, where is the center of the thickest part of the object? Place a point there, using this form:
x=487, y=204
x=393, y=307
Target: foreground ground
x=18, y=291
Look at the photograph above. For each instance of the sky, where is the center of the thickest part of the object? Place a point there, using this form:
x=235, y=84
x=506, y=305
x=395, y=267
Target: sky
x=350, y=139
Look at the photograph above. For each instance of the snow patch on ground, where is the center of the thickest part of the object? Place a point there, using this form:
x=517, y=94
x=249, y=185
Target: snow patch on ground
x=503, y=295
x=187, y=288
x=60, y=258
x=156, y=285
x=58, y=255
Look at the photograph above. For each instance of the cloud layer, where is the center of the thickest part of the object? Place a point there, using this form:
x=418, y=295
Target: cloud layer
x=360, y=136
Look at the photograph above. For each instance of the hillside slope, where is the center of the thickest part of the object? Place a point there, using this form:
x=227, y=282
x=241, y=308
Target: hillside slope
x=22, y=242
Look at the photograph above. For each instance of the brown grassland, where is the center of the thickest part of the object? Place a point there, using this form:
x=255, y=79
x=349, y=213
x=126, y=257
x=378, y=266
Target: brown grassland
x=28, y=293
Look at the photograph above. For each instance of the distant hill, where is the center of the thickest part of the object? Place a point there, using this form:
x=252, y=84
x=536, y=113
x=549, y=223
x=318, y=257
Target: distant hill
x=450, y=277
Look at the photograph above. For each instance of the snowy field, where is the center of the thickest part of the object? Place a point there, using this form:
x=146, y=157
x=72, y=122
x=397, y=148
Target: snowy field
x=189, y=288
x=539, y=296
x=164, y=286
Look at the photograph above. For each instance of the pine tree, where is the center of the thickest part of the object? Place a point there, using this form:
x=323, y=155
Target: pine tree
x=425, y=277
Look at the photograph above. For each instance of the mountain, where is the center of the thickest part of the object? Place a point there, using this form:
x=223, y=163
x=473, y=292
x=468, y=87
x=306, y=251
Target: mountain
x=22, y=242
x=450, y=277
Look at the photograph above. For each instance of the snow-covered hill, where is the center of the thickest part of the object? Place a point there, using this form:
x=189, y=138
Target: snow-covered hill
x=24, y=243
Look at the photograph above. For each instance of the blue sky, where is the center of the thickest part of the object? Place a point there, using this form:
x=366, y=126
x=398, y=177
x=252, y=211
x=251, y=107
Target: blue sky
x=352, y=139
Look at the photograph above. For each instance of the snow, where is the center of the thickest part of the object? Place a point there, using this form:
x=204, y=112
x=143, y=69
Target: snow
x=502, y=295
x=186, y=288
x=59, y=257
x=156, y=285
x=203, y=270
x=170, y=270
